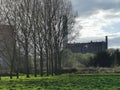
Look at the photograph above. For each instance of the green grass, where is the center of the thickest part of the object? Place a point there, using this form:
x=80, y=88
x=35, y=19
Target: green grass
x=63, y=82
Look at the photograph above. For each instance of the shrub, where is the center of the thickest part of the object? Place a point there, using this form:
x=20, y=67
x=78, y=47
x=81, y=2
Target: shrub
x=75, y=60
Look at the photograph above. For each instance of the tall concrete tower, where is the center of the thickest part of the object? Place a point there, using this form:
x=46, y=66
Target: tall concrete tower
x=106, y=41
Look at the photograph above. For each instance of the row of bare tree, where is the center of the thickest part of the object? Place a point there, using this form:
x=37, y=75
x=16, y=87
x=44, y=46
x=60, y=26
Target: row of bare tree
x=40, y=31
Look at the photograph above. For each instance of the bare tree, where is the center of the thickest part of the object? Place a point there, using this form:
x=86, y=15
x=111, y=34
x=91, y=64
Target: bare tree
x=19, y=15
x=58, y=21
x=40, y=28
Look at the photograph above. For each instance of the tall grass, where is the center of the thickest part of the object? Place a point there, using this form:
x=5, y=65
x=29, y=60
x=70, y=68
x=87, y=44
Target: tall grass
x=63, y=82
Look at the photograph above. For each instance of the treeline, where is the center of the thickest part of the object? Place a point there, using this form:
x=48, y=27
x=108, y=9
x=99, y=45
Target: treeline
x=109, y=59
x=40, y=31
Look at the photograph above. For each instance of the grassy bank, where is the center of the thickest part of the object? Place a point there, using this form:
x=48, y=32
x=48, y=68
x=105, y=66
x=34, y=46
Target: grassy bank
x=63, y=82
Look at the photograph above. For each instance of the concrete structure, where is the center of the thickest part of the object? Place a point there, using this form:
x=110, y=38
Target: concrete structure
x=90, y=47
x=6, y=47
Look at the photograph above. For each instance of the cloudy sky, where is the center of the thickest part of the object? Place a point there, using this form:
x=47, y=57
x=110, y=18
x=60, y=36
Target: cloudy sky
x=98, y=18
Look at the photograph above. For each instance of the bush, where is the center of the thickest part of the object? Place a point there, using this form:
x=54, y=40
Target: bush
x=102, y=59
x=107, y=58
x=75, y=60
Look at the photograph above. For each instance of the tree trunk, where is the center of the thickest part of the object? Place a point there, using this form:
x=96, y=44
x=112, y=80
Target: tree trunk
x=47, y=62
x=13, y=57
x=35, y=61
x=41, y=61
x=26, y=58
x=0, y=71
x=59, y=62
x=52, y=67
x=11, y=69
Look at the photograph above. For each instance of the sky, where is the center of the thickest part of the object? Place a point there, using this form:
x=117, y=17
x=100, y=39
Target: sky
x=97, y=19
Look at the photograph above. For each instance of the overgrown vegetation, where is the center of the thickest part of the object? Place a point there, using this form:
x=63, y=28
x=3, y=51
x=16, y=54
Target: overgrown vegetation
x=109, y=58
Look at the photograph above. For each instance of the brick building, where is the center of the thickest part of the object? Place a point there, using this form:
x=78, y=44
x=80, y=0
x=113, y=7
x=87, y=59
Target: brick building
x=90, y=47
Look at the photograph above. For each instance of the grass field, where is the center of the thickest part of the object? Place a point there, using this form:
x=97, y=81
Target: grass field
x=63, y=82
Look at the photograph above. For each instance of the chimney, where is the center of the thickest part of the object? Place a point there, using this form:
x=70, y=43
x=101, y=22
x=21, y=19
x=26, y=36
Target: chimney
x=106, y=41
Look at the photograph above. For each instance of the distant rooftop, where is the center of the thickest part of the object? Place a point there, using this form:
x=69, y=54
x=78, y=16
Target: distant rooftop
x=88, y=47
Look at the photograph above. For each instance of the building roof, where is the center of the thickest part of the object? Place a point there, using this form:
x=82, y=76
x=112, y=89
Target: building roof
x=90, y=47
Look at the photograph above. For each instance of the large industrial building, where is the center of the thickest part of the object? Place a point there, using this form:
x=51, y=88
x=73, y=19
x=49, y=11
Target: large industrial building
x=89, y=47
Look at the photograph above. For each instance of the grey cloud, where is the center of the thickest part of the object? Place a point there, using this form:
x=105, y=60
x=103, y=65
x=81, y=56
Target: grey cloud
x=112, y=16
x=114, y=42
x=87, y=7
x=93, y=39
